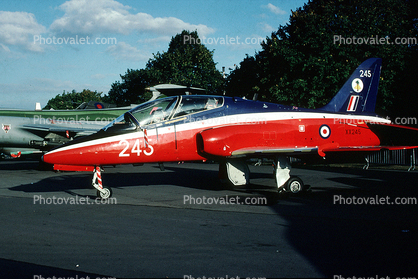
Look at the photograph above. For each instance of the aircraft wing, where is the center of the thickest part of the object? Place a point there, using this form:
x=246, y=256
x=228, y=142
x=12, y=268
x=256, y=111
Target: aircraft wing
x=296, y=152
x=273, y=151
x=66, y=131
x=325, y=151
x=395, y=135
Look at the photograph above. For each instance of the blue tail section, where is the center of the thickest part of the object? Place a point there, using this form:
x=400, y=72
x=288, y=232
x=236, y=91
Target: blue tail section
x=358, y=94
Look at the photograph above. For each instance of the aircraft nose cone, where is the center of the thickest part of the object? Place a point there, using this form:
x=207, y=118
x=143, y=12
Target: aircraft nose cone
x=72, y=153
x=46, y=158
x=85, y=151
x=57, y=155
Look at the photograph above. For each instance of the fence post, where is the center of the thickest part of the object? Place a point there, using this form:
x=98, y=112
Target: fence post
x=366, y=166
x=412, y=167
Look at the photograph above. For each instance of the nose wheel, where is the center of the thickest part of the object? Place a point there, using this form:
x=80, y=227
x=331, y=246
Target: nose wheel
x=105, y=193
x=102, y=192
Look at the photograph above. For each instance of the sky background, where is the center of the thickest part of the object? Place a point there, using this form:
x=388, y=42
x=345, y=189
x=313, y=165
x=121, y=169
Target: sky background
x=40, y=57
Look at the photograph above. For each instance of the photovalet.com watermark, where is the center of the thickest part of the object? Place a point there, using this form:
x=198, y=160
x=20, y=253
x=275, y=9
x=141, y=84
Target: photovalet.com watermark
x=248, y=119
x=227, y=40
x=77, y=200
x=405, y=121
x=227, y=200
x=39, y=119
x=77, y=40
x=38, y=276
x=220, y=277
x=376, y=200
x=370, y=277
x=374, y=40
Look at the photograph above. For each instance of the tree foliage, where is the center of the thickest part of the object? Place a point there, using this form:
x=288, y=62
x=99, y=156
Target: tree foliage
x=131, y=90
x=187, y=63
x=303, y=64
x=184, y=63
x=73, y=99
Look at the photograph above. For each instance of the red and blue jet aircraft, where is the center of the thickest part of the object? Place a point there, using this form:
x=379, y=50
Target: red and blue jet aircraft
x=231, y=130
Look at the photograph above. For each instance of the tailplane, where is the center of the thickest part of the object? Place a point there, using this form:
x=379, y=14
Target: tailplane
x=358, y=94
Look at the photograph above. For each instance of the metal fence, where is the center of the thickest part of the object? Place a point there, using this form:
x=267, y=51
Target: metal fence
x=394, y=157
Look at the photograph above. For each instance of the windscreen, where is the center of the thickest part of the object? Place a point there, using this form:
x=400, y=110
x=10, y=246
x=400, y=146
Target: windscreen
x=193, y=104
x=144, y=114
x=161, y=110
x=154, y=112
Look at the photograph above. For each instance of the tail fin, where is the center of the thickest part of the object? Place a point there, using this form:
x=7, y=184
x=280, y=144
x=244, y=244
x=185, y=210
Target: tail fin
x=358, y=94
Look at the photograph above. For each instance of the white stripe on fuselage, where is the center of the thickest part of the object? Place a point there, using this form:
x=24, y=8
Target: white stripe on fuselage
x=236, y=119
x=262, y=118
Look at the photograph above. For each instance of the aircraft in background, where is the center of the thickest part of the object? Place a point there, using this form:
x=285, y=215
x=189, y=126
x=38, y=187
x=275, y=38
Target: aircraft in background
x=231, y=130
x=26, y=132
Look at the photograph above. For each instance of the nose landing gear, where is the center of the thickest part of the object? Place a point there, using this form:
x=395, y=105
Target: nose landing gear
x=102, y=192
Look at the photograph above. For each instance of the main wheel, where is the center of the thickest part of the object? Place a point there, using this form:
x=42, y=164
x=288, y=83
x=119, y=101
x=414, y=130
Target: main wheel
x=106, y=194
x=294, y=185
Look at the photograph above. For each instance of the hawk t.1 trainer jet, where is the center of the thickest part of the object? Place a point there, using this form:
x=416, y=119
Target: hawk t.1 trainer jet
x=231, y=130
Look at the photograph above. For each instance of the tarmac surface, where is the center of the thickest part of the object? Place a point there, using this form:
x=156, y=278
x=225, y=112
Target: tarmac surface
x=181, y=223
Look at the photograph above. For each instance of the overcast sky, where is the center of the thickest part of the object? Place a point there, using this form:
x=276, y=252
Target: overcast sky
x=47, y=47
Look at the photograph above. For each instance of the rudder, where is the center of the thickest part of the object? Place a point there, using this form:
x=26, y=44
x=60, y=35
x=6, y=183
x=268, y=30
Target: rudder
x=358, y=94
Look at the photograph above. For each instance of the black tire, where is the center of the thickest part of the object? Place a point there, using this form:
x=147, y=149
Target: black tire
x=106, y=195
x=294, y=185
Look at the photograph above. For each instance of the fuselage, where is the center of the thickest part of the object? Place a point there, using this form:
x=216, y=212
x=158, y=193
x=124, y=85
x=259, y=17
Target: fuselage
x=185, y=128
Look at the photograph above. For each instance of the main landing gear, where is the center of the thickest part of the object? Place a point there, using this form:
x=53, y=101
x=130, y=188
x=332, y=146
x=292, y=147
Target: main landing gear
x=294, y=185
x=102, y=192
x=284, y=181
x=236, y=172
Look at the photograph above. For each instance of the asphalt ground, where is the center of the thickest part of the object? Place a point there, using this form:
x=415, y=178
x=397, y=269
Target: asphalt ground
x=182, y=223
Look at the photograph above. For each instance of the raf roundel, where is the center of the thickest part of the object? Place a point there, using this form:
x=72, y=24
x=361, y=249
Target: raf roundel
x=98, y=105
x=324, y=131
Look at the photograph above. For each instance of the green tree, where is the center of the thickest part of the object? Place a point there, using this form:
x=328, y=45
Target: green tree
x=186, y=62
x=73, y=99
x=244, y=81
x=304, y=64
x=131, y=90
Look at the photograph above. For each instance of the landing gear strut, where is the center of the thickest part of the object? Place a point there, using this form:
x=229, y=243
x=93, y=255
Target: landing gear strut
x=284, y=181
x=102, y=192
x=234, y=172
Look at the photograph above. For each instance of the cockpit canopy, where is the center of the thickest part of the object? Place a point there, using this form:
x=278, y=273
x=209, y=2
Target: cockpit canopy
x=161, y=110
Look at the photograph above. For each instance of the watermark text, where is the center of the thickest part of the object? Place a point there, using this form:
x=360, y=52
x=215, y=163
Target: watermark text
x=40, y=40
x=376, y=200
x=70, y=277
x=369, y=277
x=227, y=200
x=39, y=119
x=220, y=277
x=374, y=40
x=227, y=40
x=77, y=200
